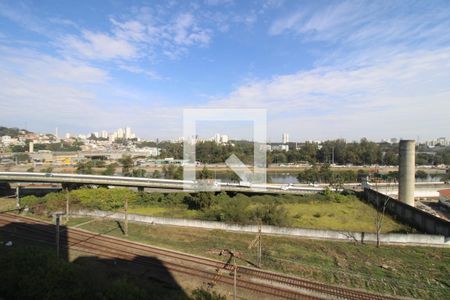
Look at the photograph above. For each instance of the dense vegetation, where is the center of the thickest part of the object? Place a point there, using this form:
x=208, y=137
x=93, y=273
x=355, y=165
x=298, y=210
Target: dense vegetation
x=338, y=151
x=221, y=207
x=61, y=146
x=326, y=175
x=12, y=132
x=328, y=210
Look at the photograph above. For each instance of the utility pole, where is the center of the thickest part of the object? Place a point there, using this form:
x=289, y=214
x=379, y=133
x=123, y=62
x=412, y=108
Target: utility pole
x=125, y=229
x=67, y=205
x=18, y=196
x=258, y=241
x=58, y=222
x=258, y=261
x=232, y=258
x=234, y=278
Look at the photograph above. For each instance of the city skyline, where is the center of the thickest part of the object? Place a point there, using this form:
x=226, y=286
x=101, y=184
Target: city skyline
x=222, y=137
x=323, y=70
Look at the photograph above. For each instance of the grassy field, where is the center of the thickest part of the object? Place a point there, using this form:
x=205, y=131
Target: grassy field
x=169, y=212
x=351, y=215
x=7, y=204
x=417, y=272
x=327, y=210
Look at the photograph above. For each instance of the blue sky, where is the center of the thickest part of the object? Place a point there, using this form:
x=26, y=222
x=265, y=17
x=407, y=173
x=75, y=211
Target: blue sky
x=322, y=69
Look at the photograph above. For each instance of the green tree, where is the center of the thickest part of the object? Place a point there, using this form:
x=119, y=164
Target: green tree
x=420, y=174
x=138, y=173
x=178, y=174
x=205, y=174
x=49, y=169
x=308, y=152
x=234, y=177
x=279, y=158
x=85, y=167
x=21, y=157
x=201, y=201
x=127, y=165
x=110, y=169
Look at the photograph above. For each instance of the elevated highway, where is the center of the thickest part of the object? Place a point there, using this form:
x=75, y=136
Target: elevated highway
x=153, y=183
x=422, y=190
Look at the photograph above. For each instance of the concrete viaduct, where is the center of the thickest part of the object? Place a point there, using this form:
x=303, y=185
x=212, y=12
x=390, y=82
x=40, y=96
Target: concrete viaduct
x=154, y=183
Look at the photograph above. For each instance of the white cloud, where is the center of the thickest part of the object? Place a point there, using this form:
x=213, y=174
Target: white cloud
x=142, y=37
x=400, y=87
x=24, y=17
x=138, y=70
x=186, y=32
x=99, y=46
x=36, y=65
x=218, y=2
x=44, y=92
x=363, y=23
x=286, y=23
x=130, y=30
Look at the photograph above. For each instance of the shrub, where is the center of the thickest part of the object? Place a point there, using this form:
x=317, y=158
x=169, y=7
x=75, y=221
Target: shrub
x=420, y=174
x=104, y=199
x=202, y=294
x=40, y=205
x=272, y=214
x=47, y=170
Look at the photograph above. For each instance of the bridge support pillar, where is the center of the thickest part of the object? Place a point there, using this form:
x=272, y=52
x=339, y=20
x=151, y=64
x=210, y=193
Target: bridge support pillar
x=406, y=183
x=18, y=196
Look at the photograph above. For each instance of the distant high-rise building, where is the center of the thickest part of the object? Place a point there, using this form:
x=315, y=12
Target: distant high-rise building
x=120, y=133
x=112, y=137
x=67, y=135
x=441, y=141
x=31, y=147
x=104, y=134
x=217, y=138
x=128, y=133
x=220, y=138
x=285, y=138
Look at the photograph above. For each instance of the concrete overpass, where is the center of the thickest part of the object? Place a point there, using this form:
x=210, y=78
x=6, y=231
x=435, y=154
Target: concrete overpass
x=154, y=183
x=423, y=190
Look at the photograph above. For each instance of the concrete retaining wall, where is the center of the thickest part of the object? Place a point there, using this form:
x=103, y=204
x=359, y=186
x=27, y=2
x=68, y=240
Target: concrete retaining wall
x=410, y=215
x=418, y=239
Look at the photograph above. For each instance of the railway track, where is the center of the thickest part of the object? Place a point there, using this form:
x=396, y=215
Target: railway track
x=269, y=283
